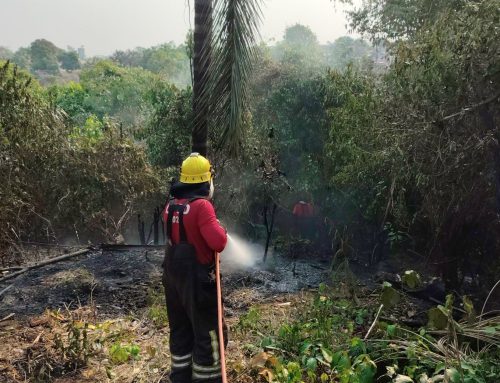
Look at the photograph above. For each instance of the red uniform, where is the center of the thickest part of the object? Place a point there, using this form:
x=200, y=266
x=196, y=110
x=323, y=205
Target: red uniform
x=190, y=290
x=202, y=229
x=303, y=213
x=303, y=209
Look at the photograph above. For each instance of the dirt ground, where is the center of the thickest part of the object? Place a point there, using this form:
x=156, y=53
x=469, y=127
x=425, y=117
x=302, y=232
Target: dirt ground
x=118, y=295
x=74, y=320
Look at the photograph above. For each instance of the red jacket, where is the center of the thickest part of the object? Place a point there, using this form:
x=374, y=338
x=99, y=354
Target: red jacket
x=203, y=230
x=303, y=209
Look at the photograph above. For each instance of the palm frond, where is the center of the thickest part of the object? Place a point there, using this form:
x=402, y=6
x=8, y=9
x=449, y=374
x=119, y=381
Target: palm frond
x=234, y=35
x=444, y=347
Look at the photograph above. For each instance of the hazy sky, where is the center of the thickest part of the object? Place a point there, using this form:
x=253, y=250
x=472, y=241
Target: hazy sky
x=104, y=26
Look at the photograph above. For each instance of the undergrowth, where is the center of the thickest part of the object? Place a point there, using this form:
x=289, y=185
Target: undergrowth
x=156, y=311
x=325, y=342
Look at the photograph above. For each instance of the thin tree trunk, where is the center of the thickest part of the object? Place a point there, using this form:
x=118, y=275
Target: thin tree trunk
x=269, y=228
x=140, y=229
x=201, y=60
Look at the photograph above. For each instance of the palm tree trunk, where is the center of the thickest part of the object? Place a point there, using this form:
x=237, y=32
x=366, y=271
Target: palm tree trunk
x=201, y=61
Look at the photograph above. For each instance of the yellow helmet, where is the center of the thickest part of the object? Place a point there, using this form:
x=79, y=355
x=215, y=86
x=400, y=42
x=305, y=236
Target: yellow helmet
x=195, y=169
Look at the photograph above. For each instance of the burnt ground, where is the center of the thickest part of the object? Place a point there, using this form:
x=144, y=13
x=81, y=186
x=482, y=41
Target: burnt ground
x=118, y=283
x=114, y=281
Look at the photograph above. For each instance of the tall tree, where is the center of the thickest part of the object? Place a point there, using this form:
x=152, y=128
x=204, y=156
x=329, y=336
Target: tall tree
x=300, y=48
x=345, y=50
x=44, y=56
x=22, y=58
x=224, y=49
x=201, y=61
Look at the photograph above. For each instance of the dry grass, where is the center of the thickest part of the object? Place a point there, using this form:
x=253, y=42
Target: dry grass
x=77, y=277
x=30, y=352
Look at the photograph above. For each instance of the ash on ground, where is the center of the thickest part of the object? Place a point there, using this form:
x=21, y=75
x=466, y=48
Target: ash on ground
x=119, y=283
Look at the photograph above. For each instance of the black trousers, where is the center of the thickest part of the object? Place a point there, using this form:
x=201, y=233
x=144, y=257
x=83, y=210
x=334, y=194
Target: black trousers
x=191, y=297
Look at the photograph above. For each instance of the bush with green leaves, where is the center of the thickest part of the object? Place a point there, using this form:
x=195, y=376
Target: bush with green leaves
x=108, y=90
x=417, y=149
x=167, y=60
x=327, y=342
x=121, y=353
x=168, y=130
x=60, y=179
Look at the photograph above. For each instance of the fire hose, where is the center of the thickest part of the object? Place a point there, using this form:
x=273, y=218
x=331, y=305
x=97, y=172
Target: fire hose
x=220, y=319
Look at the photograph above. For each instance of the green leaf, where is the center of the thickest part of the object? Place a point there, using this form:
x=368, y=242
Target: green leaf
x=311, y=364
x=267, y=341
x=341, y=361
x=468, y=305
x=305, y=347
x=453, y=375
x=118, y=354
x=411, y=279
x=439, y=367
x=134, y=351
x=449, y=302
x=233, y=52
x=438, y=318
x=365, y=369
x=327, y=355
x=391, y=330
x=390, y=297
x=360, y=317
x=357, y=347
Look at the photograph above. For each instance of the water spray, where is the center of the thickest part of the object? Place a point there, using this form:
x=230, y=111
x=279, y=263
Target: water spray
x=240, y=254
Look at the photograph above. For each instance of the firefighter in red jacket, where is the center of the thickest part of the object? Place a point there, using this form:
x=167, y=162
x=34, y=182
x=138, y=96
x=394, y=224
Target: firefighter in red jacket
x=194, y=235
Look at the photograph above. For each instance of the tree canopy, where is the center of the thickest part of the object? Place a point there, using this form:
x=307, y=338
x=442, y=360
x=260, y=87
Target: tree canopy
x=44, y=56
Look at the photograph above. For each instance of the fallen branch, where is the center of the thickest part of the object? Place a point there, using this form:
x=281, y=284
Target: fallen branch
x=7, y=317
x=374, y=322
x=5, y=290
x=45, y=263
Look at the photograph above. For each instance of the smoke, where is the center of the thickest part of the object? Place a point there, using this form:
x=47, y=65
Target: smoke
x=240, y=254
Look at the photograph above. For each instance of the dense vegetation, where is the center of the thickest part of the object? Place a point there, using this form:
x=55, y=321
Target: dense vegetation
x=331, y=340
x=406, y=142
x=61, y=179
x=396, y=142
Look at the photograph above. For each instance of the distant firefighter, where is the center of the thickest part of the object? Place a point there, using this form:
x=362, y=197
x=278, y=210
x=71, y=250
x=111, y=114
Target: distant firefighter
x=303, y=209
x=303, y=214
